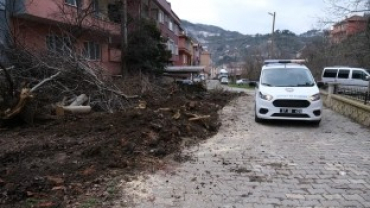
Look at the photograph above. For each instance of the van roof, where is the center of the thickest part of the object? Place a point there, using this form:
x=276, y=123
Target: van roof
x=347, y=67
x=283, y=65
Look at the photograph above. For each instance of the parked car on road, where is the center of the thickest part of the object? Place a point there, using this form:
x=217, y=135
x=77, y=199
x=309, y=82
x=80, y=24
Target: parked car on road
x=185, y=82
x=287, y=91
x=224, y=80
x=242, y=81
x=346, y=76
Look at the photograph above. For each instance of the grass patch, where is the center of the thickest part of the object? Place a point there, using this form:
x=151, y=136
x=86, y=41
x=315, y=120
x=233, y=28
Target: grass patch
x=31, y=202
x=243, y=86
x=92, y=202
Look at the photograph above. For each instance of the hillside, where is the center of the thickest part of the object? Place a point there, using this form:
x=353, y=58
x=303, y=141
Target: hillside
x=230, y=46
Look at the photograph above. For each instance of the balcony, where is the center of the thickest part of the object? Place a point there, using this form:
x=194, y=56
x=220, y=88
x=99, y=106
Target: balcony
x=185, y=45
x=185, y=50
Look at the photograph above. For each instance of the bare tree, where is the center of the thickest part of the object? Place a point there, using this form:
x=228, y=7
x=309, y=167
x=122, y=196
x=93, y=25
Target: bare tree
x=253, y=64
x=336, y=10
x=353, y=50
x=57, y=76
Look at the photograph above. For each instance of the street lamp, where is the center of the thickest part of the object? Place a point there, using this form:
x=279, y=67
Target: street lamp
x=273, y=33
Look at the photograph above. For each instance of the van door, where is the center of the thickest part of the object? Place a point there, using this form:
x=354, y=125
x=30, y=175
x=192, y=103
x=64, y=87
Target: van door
x=359, y=78
x=343, y=76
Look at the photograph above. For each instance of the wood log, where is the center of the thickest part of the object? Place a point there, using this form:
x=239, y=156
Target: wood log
x=199, y=118
x=77, y=109
x=196, y=117
x=177, y=115
x=81, y=99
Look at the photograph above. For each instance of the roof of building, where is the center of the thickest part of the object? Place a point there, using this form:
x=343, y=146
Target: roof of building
x=167, y=7
x=354, y=18
x=184, y=69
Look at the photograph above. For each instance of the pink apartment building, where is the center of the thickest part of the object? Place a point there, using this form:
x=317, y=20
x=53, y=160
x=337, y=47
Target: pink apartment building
x=90, y=27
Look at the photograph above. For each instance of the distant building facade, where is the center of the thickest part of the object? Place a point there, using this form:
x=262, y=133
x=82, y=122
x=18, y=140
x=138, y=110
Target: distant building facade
x=185, y=50
x=206, y=61
x=348, y=27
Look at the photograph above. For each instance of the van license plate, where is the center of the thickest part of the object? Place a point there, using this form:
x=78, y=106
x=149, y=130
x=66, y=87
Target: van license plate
x=289, y=110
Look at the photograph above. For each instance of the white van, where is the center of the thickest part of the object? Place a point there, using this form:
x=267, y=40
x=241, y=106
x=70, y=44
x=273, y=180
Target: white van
x=347, y=76
x=287, y=91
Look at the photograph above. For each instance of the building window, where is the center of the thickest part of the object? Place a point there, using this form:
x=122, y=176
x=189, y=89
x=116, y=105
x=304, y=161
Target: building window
x=58, y=44
x=114, y=14
x=71, y=2
x=171, y=46
x=170, y=25
x=176, y=30
x=97, y=10
x=160, y=17
x=2, y=5
x=92, y=51
x=176, y=52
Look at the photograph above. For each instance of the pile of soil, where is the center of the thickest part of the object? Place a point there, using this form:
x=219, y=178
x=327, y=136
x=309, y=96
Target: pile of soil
x=52, y=163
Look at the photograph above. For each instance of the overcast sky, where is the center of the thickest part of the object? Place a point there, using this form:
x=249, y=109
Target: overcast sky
x=251, y=16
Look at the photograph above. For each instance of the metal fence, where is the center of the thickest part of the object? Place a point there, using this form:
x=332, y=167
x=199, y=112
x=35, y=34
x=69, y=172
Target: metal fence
x=356, y=93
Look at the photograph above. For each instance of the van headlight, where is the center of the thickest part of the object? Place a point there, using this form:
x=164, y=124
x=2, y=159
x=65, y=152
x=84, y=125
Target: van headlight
x=266, y=97
x=315, y=97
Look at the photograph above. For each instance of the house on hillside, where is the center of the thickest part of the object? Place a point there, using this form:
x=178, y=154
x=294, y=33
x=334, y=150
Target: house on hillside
x=206, y=61
x=88, y=28
x=185, y=50
x=197, y=51
x=348, y=27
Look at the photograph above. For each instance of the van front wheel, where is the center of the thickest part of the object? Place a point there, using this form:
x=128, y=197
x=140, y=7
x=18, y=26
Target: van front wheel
x=256, y=119
x=316, y=123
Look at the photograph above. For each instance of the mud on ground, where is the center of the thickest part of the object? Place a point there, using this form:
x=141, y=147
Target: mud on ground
x=54, y=163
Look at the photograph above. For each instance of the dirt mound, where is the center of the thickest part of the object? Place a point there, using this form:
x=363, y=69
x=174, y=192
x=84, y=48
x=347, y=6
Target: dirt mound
x=52, y=163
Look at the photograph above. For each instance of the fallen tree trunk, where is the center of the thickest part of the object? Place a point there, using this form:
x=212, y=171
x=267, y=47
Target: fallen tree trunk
x=24, y=97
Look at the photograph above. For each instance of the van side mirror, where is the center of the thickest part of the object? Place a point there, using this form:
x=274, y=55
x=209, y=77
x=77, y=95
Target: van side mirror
x=367, y=78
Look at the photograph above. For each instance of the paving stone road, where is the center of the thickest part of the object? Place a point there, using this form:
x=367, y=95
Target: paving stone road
x=276, y=164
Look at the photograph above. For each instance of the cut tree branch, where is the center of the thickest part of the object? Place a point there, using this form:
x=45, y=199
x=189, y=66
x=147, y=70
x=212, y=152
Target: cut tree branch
x=44, y=81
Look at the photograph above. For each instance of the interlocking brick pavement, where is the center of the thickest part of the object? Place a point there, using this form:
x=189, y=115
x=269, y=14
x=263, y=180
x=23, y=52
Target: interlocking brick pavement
x=276, y=164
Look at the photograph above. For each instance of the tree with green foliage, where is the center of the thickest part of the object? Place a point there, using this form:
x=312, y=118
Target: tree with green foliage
x=147, y=51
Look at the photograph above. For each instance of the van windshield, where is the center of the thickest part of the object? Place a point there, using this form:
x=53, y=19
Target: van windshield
x=368, y=70
x=287, y=77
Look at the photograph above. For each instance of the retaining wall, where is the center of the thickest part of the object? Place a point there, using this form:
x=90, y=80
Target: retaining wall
x=353, y=109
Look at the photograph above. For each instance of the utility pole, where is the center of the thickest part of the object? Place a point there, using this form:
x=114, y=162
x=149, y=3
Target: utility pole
x=272, y=34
